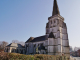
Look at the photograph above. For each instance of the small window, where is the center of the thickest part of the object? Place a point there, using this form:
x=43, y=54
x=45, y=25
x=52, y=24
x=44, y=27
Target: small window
x=54, y=21
x=38, y=44
x=51, y=21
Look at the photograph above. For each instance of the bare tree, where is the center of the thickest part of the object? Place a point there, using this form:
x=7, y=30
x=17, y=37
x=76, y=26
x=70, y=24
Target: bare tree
x=19, y=42
x=3, y=44
x=22, y=43
x=15, y=41
x=0, y=45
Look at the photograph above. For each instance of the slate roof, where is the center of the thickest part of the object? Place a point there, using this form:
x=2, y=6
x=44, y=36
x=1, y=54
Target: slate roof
x=30, y=39
x=55, y=9
x=15, y=45
x=51, y=35
x=40, y=38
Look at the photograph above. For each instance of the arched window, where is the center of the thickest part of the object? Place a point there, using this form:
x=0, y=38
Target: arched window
x=54, y=21
x=26, y=46
x=34, y=45
x=51, y=21
x=41, y=44
x=38, y=44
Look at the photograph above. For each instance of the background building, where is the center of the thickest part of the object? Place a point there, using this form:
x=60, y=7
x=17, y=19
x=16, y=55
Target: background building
x=15, y=48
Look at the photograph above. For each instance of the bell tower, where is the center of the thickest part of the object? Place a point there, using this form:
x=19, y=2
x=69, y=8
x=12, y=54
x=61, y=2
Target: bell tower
x=57, y=26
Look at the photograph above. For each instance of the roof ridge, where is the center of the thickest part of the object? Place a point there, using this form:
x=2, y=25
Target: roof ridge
x=40, y=36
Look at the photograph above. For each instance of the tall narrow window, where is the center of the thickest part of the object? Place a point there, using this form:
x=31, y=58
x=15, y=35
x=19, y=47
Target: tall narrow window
x=51, y=21
x=54, y=21
x=38, y=44
x=41, y=44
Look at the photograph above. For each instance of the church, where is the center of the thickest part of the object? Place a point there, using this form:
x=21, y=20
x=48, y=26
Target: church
x=55, y=41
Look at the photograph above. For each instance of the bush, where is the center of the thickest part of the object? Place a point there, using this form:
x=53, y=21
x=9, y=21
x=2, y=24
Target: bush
x=16, y=56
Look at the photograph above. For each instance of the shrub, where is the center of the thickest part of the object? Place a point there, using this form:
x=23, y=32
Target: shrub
x=16, y=56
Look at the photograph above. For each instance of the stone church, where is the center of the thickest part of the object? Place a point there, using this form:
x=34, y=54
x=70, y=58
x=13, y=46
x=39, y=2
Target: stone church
x=55, y=41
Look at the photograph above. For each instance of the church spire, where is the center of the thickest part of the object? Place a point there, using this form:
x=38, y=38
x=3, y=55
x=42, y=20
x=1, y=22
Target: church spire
x=55, y=9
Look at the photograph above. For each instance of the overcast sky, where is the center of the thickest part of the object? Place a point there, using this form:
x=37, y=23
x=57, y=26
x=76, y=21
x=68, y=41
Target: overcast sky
x=21, y=19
